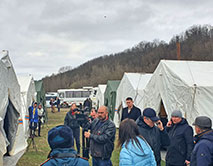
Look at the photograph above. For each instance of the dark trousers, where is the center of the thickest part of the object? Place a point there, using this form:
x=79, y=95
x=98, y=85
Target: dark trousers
x=39, y=128
x=100, y=162
x=33, y=126
x=167, y=164
x=76, y=135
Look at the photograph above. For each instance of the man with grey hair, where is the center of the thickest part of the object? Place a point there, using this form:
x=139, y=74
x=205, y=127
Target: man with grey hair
x=102, y=136
x=202, y=153
x=181, y=136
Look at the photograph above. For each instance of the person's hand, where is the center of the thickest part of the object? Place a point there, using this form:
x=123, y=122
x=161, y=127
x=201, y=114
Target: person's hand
x=87, y=134
x=159, y=125
x=169, y=124
x=187, y=162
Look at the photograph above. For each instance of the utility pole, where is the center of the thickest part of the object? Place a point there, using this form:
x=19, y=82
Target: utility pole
x=178, y=47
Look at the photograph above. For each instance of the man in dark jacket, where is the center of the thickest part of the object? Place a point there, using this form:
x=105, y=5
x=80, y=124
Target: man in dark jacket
x=181, y=136
x=130, y=111
x=71, y=121
x=60, y=139
x=102, y=136
x=151, y=128
x=202, y=154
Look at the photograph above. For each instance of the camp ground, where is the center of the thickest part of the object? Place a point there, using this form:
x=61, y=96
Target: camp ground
x=131, y=85
x=100, y=94
x=183, y=85
x=10, y=110
x=110, y=96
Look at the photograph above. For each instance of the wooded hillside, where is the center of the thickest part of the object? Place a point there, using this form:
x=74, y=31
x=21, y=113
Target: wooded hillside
x=196, y=44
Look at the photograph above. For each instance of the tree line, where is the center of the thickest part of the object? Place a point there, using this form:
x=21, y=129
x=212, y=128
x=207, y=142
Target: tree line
x=196, y=44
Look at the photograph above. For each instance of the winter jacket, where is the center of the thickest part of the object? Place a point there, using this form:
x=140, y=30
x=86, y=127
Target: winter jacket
x=181, y=136
x=154, y=136
x=101, y=138
x=132, y=155
x=33, y=118
x=202, y=154
x=71, y=121
x=133, y=114
x=64, y=157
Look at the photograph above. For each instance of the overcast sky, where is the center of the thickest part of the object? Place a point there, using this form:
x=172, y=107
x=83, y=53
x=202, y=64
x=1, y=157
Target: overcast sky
x=43, y=36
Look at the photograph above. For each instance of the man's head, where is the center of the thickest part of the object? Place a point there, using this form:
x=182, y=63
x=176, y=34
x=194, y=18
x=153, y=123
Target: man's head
x=202, y=123
x=176, y=116
x=129, y=102
x=93, y=113
x=60, y=137
x=73, y=106
x=103, y=113
x=35, y=105
x=39, y=106
x=149, y=116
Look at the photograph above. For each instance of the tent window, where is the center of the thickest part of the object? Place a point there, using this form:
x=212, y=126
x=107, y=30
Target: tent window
x=11, y=124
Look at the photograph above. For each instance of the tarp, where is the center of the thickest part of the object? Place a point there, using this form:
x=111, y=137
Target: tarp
x=100, y=95
x=40, y=92
x=110, y=96
x=182, y=85
x=10, y=108
x=28, y=96
x=131, y=85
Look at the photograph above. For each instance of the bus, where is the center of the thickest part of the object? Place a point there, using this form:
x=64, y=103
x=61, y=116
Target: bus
x=50, y=95
x=69, y=96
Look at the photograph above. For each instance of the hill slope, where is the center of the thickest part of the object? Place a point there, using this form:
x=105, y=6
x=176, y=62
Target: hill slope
x=196, y=44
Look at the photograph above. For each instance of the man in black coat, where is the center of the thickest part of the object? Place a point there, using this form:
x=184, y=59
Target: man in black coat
x=151, y=128
x=130, y=111
x=181, y=136
x=102, y=136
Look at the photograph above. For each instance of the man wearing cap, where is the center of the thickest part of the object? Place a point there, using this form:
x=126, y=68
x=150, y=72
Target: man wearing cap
x=151, y=128
x=130, y=111
x=202, y=153
x=60, y=139
x=33, y=118
x=181, y=136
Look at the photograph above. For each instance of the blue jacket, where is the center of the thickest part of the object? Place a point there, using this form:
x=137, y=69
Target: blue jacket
x=134, y=113
x=134, y=156
x=154, y=137
x=64, y=161
x=180, y=149
x=202, y=154
x=33, y=118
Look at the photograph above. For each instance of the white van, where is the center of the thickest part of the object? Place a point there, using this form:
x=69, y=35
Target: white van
x=50, y=95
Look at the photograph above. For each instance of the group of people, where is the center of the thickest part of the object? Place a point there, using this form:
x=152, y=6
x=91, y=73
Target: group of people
x=140, y=139
x=36, y=118
x=55, y=102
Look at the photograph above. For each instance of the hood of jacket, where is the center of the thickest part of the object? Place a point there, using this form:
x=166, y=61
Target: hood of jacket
x=140, y=122
x=135, y=149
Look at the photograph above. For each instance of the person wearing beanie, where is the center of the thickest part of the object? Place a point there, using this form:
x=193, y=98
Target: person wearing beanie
x=181, y=136
x=202, y=153
x=151, y=128
x=60, y=139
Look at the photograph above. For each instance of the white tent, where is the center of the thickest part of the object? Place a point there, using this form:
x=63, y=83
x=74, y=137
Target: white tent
x=28, y=95
x=100, y=95
x=131, y=85
x=10, y=108
x=182, y=85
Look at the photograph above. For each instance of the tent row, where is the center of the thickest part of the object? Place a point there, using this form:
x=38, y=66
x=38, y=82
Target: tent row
x=17, y=94
x=174, y=85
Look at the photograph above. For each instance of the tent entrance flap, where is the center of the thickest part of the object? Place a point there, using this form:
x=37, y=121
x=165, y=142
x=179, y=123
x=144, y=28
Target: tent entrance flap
x=162, y=114
x=11, y=125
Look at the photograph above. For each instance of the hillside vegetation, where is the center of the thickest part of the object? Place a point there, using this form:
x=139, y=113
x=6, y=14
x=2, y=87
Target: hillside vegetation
x=196, y=44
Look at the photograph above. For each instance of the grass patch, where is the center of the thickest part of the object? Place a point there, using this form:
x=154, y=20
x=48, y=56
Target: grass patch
x=33, y=158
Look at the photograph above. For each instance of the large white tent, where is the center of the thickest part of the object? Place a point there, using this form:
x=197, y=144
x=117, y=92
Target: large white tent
x=132, y=85
x=182, y=85
x=28, y=95
x=10, y=108
x=100, y=94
